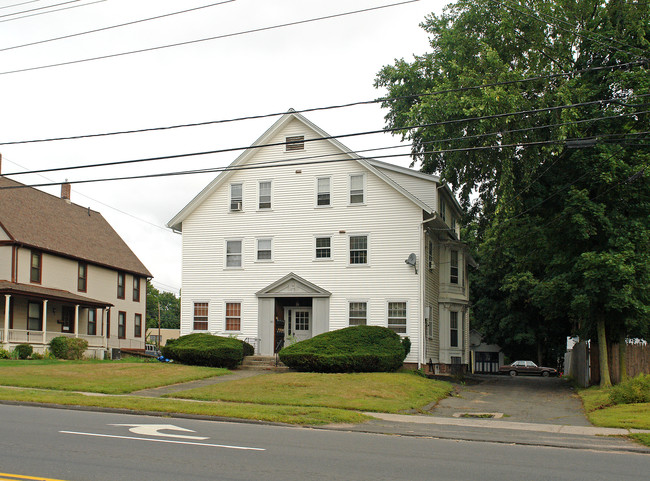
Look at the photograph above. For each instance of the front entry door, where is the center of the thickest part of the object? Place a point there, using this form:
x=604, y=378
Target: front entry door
x=300, y=318
x=67, y=319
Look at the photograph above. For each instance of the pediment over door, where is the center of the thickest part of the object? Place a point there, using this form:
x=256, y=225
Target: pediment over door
x=292, y=285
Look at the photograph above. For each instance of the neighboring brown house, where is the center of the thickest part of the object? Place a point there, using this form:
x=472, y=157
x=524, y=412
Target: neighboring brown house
x=65, y=271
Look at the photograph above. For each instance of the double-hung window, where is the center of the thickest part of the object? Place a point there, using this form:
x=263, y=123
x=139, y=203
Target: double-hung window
x=357, y=191
x=323, y=192
x=82, y=277
x=136, y=288
x=233, y=253
x=453, y=328
x=35, y=272
x=264, y=250
x=358, y=249
x=121, y=325
x=265, y=195
x=236, y=197
x=200, y=316
x=443, y=210
x=92, y=322
x=397, y=317
x=137, y=326
x=430, y=260
x=233, y=316
x=323, y=248
x=35, y=316
x=121, y=283
x=358, y=313
x=453, y=267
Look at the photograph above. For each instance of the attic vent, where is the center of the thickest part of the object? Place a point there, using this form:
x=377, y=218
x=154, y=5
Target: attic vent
x=296, y=143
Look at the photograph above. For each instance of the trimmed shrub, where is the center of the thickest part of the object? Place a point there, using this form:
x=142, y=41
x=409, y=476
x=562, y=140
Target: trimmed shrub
x=23, y=351
x=202, y=349
x=352, y=349
x=635, y=390
x=4, y=354
x=63, y=347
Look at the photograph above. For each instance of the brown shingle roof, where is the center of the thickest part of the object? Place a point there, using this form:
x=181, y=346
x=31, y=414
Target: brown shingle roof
x=37, y=219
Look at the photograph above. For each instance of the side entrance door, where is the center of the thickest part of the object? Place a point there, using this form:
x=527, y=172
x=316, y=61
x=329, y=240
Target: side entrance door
x=300, y=319
x=67, y=319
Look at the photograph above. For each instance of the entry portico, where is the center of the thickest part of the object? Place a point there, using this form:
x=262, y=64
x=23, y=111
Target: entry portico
x=291, y=308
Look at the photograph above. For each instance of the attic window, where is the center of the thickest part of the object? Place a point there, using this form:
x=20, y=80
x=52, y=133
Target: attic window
x=295, y=143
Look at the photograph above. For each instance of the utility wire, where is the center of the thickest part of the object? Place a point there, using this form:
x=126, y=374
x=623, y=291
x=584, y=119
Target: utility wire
x=19, y=4
x=217, y=37
x=116, y=26
x=280, y=163
x=330, y=107
x=355, y=134
x=4, y=157
x=536, y=15
x=39, y=8
x=52, y=11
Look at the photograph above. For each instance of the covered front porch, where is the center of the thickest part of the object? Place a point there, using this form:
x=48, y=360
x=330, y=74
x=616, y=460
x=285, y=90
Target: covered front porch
x=35, y=315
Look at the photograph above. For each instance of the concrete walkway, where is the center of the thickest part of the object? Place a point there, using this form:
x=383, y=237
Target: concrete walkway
x=184, y=386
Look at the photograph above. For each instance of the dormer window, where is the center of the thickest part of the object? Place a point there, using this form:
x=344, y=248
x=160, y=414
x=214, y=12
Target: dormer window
x=296, y=142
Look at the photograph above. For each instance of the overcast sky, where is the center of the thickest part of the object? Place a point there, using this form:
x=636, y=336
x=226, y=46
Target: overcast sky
x=328, y=62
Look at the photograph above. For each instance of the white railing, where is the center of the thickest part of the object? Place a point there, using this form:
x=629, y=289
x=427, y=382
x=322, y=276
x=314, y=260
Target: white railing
x=21, y=336
x=93, y=341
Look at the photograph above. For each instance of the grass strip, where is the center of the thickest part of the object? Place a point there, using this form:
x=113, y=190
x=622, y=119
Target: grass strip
x=107, y=377
x=375, y=392
x=310, y=416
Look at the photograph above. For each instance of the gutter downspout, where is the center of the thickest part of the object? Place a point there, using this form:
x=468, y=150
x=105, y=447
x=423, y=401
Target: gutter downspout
x=423, y=332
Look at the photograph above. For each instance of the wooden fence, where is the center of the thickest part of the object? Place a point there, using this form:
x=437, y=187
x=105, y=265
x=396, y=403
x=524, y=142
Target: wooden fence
x=638, y=361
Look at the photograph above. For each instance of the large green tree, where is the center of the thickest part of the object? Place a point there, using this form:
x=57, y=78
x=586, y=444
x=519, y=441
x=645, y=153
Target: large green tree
x=164, y=303
x=561, y=233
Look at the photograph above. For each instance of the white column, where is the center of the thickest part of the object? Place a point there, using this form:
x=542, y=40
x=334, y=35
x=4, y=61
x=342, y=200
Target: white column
x=45, y=321
x=76, y=320
x=104, y=313
x=5, y=337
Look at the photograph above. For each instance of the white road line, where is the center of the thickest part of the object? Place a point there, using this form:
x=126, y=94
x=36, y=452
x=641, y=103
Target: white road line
x=164, y=441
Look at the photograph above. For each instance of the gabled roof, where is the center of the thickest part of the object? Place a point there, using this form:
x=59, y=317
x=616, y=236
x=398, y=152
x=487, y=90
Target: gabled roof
x=292, y=285
x=42, y=221
x=380, y=169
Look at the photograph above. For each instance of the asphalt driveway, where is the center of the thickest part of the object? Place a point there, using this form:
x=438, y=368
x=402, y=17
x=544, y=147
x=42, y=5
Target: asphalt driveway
x=527, y=399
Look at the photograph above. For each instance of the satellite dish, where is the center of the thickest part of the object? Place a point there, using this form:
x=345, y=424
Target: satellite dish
x=411, y=260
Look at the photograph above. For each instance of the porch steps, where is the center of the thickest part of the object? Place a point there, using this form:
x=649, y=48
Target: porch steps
x=262, y=363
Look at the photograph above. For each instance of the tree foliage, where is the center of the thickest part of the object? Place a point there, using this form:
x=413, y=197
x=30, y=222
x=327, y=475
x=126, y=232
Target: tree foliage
x=561, y=234
x=170, y=309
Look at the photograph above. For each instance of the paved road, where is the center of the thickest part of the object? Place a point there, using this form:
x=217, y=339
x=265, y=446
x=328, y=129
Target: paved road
x=528, y=399
x=90, y=446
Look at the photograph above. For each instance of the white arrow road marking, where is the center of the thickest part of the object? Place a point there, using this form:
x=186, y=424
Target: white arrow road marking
x=152, y=430
x=165, y=441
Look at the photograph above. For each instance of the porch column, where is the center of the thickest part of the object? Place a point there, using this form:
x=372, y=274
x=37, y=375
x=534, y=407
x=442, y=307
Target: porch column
x=104, y=311
x=44, y=321
x=76, y=320
x=5, y=336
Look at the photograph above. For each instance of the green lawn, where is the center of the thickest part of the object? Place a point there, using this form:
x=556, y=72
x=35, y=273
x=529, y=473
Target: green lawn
x=109, y=377
x=601, y=412
x=311, y=416
x=379, y=392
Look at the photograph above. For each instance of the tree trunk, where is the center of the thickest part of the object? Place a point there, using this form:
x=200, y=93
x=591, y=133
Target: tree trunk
x=540, y=354
x=605, y=380
x=622, y=359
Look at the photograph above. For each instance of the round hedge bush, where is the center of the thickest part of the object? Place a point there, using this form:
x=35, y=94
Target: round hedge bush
x=200, y=349
x=353, y=349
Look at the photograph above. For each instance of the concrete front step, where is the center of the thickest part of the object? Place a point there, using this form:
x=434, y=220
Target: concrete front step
x=262, y=363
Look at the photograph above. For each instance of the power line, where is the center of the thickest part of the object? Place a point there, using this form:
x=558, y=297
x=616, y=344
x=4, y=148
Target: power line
x=95, y=200
x=355, y=134
x=331, y=107
x=535, y=15
x=284, y=163
x=116, y=26
x=52, y=11
x=19, y=4
x=217, y=37
x=39, y=8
